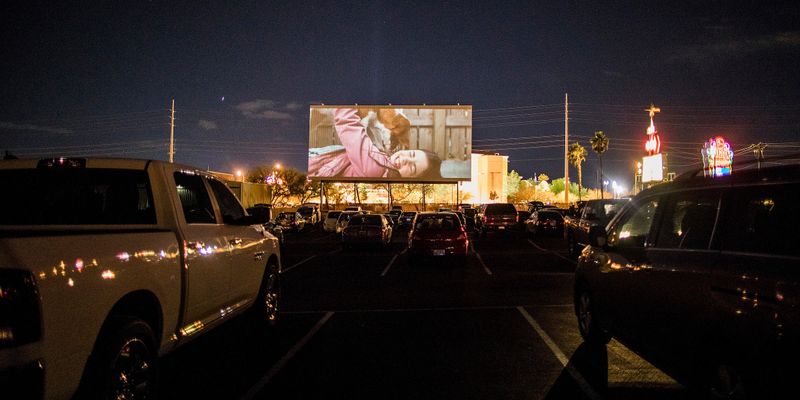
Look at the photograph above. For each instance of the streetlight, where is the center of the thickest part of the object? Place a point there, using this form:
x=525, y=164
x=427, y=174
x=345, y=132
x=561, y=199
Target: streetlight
x=239, y=175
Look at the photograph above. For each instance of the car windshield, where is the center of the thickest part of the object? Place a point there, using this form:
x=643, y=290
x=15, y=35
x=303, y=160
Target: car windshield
x=345, y=216
x=334, y=214
x=443, y=222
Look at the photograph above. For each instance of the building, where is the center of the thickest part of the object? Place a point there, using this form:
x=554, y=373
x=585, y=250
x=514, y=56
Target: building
x=488, y=179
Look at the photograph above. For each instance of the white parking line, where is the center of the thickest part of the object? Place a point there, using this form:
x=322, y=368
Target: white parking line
x=562, y=358
x=298, y=264
x=551, y=251
x=285, y=359
x=485, y=268
x=389, y=266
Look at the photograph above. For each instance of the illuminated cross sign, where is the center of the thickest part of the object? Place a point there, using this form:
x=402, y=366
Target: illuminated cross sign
x=717, y=157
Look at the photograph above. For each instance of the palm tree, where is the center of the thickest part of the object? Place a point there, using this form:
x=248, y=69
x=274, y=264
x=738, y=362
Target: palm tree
x=577, y=155
x=600, y=144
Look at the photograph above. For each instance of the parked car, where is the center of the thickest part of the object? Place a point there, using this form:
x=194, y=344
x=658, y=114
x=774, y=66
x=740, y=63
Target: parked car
x=291, y=220
x=496, y=217
x=310, y=214
x=329, y=225
x=700, y=277
x=367, y=229
x=438, y=234
x=406, y=219
x=469, y=215
x=344, y=218
x=395, y=215
x=534, y=206
x=263, y=213
x=522, y=217
x=135, y=234
x=546, y=221
x=461, y=217
x=594, y=213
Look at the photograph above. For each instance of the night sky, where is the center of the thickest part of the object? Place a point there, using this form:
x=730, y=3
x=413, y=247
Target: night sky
x=86, y=80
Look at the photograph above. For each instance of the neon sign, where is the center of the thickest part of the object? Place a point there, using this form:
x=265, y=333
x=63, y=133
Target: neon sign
x=653, y=143
x=717, y=157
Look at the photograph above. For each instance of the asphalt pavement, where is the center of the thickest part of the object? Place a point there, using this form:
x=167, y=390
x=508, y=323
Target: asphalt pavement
x=375, y=324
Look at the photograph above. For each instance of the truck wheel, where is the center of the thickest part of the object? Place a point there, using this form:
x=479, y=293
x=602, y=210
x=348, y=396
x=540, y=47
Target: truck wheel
x=123, y=362
x=268, y=301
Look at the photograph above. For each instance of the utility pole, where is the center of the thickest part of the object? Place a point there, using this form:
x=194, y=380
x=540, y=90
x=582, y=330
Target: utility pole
x=566, y=149
x=172, y=132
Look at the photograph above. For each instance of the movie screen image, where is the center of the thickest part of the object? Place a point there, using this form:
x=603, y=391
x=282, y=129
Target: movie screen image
x=428, y=144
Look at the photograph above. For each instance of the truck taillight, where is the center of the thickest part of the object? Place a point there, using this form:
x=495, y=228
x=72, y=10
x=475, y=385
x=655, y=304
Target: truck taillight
x=20, y=315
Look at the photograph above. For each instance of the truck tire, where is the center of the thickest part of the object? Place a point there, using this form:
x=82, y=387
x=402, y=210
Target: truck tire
x=123, y=364
x=267, y=304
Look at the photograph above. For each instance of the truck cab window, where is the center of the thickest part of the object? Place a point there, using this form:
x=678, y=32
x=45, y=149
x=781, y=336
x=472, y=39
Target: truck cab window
x=229, y=207
x=195, y=201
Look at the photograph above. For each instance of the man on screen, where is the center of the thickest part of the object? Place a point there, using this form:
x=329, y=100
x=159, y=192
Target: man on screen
x=358, y=156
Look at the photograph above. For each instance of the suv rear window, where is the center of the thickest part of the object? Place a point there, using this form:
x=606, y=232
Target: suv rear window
x=444, y=222
x=75, y=197
x=500, y=209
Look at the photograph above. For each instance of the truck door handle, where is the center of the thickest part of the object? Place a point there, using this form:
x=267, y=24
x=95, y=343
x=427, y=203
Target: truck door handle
x=235, y=242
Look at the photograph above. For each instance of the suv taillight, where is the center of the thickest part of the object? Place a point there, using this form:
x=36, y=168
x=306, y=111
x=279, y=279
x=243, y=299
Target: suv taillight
x=20, y=315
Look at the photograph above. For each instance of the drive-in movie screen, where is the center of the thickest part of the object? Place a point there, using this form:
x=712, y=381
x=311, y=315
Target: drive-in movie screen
x=390, y=143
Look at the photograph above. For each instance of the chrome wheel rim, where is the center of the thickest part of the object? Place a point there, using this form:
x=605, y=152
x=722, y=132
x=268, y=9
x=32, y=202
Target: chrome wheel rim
x=131, y=372
x=271, y=296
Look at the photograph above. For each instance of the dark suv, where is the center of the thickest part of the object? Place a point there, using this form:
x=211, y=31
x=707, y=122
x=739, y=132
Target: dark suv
x=497, y=217
x=701, y=277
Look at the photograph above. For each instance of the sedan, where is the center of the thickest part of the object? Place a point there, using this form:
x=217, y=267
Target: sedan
x=439, y=234
x=329, y=225
x=406, y=219
x=367, y=229
x=545, y=221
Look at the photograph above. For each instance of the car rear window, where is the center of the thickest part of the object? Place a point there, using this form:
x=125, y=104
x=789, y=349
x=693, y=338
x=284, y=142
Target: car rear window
x=365, y=220
x=84, y=196
x=334, y=214
x=550, y=215
x=444, y=222
x=500, y=209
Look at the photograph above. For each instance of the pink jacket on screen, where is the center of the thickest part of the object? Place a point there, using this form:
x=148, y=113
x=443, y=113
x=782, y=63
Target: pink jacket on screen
x=359, y=158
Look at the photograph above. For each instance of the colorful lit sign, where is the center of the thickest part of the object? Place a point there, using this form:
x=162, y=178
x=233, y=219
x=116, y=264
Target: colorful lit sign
x=717, y=157
x=653, y=143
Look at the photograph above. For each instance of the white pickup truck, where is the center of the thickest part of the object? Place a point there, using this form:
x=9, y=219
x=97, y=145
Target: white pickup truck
x=107, y=264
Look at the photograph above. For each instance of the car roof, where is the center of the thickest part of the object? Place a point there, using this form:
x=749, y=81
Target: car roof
x=745, y=177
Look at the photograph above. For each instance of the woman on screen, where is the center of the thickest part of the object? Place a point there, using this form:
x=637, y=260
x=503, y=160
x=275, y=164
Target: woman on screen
x=359, y=157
